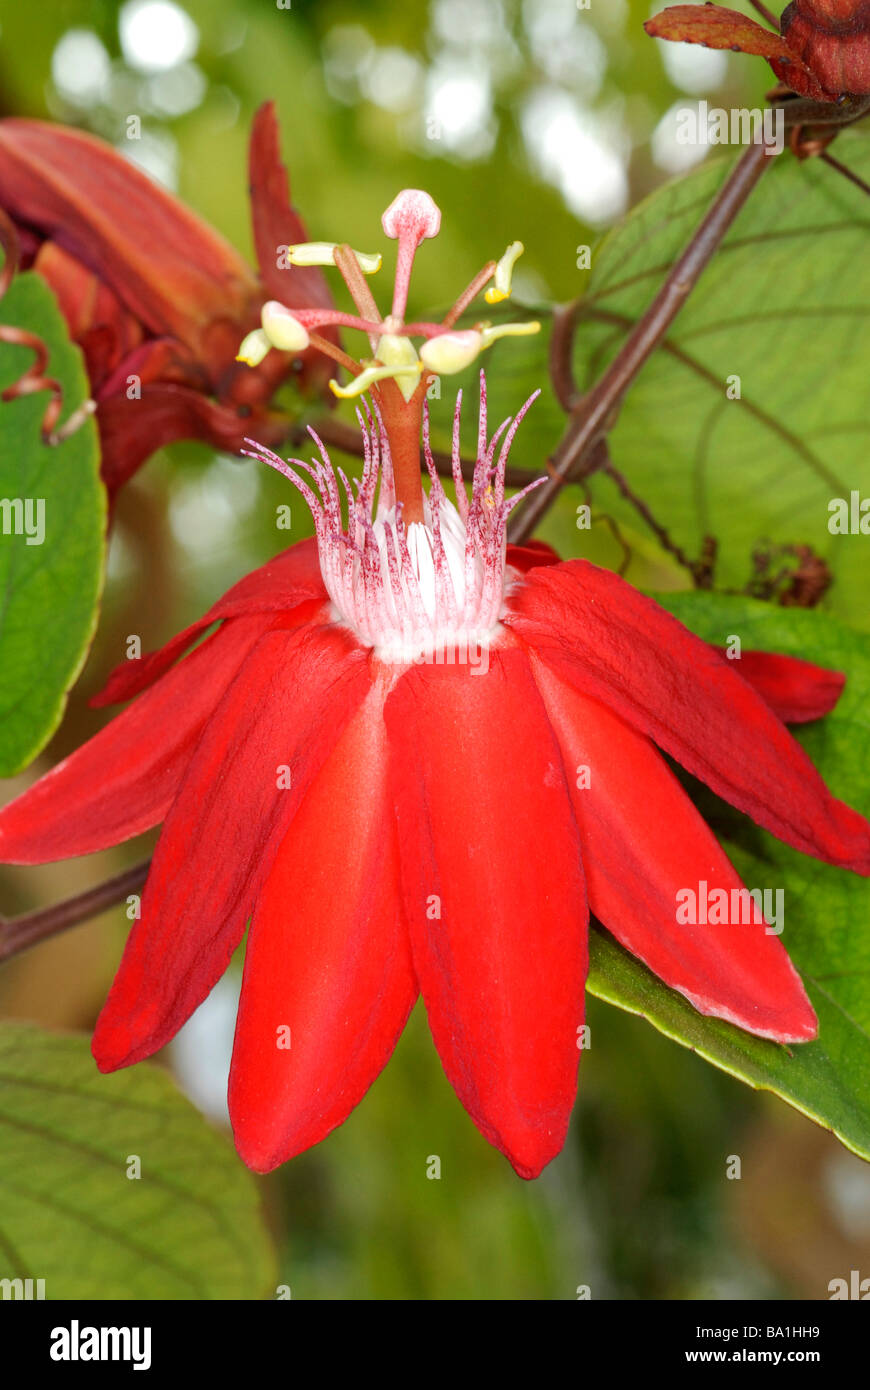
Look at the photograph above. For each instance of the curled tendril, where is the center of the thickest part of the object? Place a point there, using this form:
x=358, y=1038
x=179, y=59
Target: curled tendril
x=34, y=379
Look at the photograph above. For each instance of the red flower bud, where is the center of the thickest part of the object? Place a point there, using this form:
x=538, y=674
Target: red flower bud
x=832, y=37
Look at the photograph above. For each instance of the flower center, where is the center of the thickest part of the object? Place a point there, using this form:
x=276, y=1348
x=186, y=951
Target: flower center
x=397, y=374
x=411, y=590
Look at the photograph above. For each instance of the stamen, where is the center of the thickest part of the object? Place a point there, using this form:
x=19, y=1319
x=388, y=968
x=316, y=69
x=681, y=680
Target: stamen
x=369, y=376
x=253, y=348
x=501, y=287
x=323, y=253
x=451, y=352
x=283, y=329
x=469, y=294
x=490, y=333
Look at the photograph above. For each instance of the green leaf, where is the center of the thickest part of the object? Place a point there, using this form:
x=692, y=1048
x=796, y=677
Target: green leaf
x=189, y=1228
x=785, y=306
x=50, y=585
x=827, y=910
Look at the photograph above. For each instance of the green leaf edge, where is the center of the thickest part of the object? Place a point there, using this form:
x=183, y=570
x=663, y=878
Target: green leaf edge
x=81, y=383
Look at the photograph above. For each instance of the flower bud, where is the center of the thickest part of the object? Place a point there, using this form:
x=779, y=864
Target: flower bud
x=833, y=38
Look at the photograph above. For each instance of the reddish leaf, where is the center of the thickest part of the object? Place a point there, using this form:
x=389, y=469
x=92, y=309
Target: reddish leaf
x=715, y=27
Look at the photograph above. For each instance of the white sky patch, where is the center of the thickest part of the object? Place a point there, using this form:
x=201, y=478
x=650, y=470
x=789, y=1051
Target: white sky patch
x=692, y=68
x=459, y=103
x=847, y=1188
x=667, y=151
x=121, y=559
x=156, y=35
x=347, y=51
x=391, y=79
x=205, y=510
x=468, y=23
x=202, y=1050
x=565, y=46
x=177, y=91
x=575, y=151
x=81, y=67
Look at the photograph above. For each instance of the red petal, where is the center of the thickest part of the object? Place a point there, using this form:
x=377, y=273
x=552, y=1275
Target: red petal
x=281, y=585
x=643, y=842
x=717, y=27
x=797, y=691
x=276, y=221
x=328, y=958
x=526, y=557
x=494, y=895
x=608, y=641
x=121, y=782
x=170, y=269
x=289, y=704
x=88, y=305
x=276, y=224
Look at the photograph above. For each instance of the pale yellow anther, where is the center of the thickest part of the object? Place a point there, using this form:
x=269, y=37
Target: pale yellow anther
x=253, y=348
x=448, y=353
x=397, y=353
x=282, y=328
x=323, y=253
x=490, y=333
x=501, y=285
x=373, y=374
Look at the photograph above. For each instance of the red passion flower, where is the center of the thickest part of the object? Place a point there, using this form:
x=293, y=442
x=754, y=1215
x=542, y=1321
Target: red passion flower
x=416, y=758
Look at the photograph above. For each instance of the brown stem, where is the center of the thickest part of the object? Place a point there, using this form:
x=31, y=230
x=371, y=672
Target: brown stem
x=316, y=340
x=698, y=571
x=765, y=13
x=18, y=934
x=352, y=274
x=561, y=345
x=847, y=173
x=12, y=251
x=595, y=411
x=470, y=293
x=403, y=422
x=802, y=111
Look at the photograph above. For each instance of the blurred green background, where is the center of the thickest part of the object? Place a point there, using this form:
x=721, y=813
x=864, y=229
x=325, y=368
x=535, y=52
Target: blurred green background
x=543, y=121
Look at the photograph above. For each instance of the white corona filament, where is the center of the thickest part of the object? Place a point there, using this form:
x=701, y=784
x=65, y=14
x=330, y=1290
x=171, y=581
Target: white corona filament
x=410, y=591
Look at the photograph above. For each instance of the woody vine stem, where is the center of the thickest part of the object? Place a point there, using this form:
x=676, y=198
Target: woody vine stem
x=581, y=451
